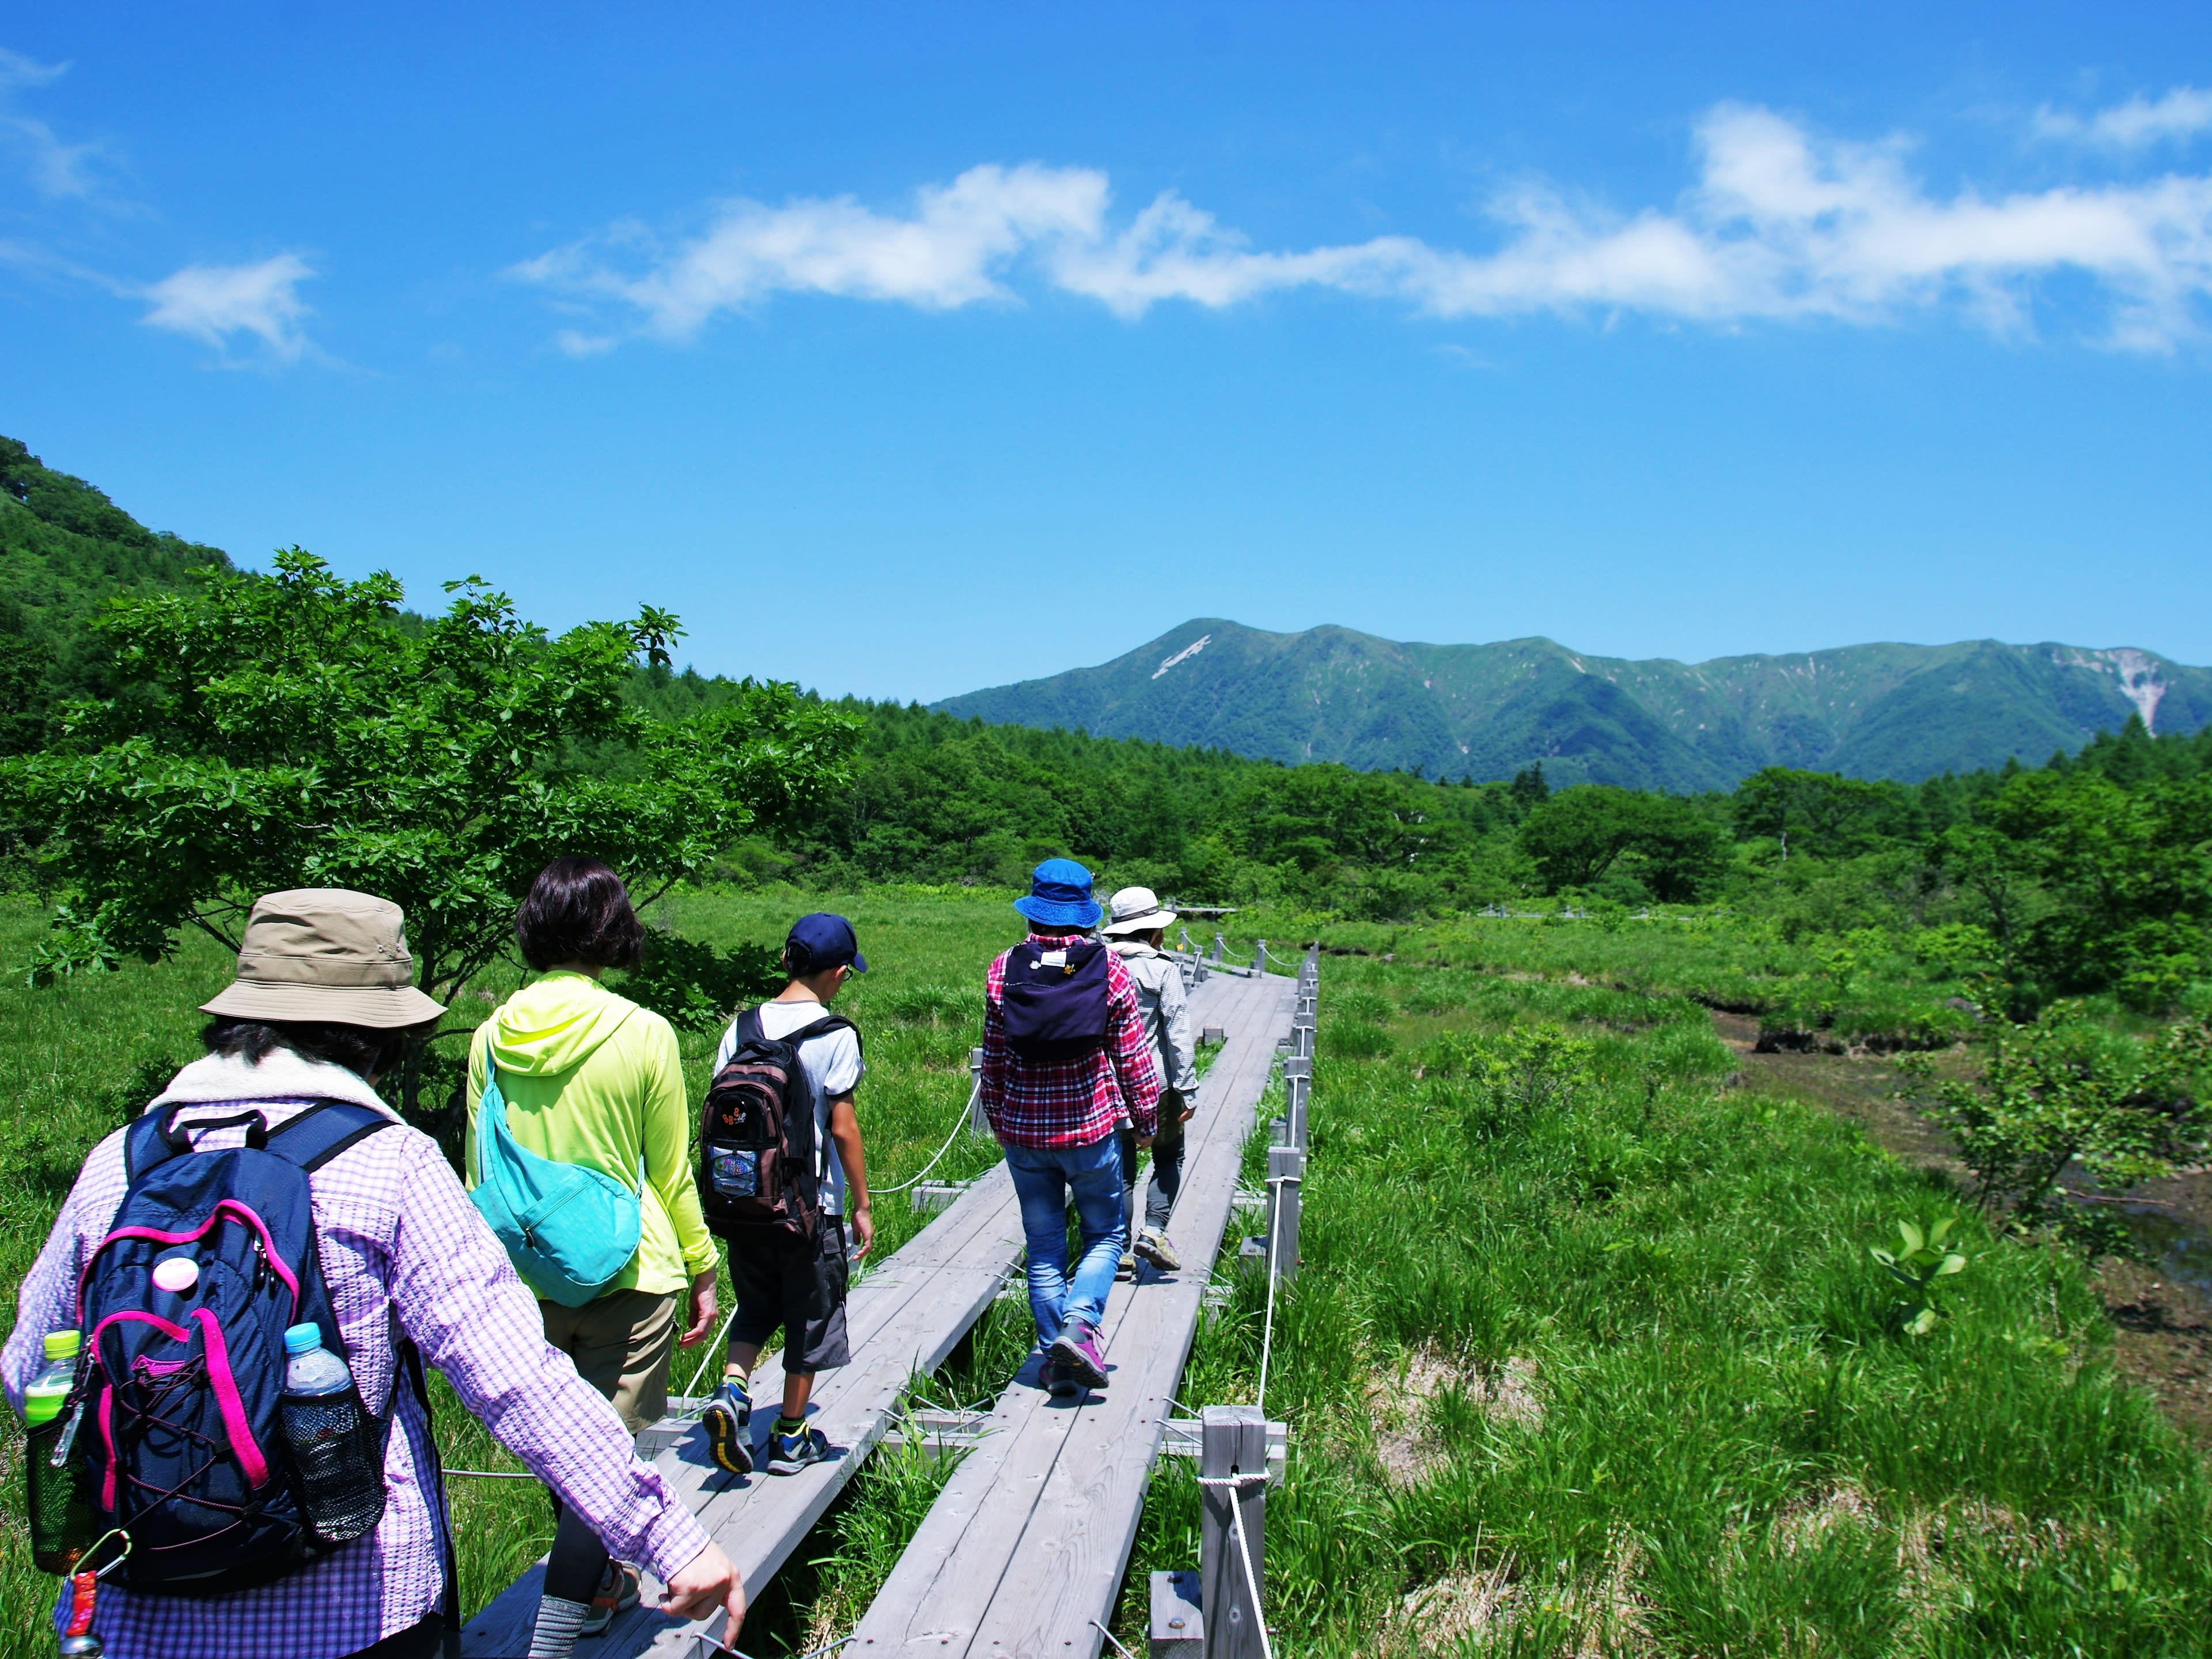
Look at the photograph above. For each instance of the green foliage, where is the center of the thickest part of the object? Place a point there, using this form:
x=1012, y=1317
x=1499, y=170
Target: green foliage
x=695, y=986
x=2070, y=1088
x=1577, y=836
x=1920, y=1263
x=276, y=732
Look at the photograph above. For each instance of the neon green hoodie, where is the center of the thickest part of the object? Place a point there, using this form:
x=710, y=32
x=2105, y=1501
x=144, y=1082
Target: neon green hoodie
x=595, y=1079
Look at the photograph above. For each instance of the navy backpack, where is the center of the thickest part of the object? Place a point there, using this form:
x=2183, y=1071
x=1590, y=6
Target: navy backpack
x=1055, y=998
x=183, y=1306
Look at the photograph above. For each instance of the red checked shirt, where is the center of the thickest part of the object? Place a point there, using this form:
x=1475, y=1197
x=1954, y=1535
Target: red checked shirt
x=1069, y=1103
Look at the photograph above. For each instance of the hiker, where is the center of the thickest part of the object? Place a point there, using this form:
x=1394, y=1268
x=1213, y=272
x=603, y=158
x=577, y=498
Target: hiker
x=782, y=1096
x=378, y=1243
x=591, y=1081
x=1066, y=1062
x=1136, y=929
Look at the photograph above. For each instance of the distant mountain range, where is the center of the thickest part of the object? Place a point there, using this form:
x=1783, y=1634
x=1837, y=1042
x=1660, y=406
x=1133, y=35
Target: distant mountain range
x=1328, y=694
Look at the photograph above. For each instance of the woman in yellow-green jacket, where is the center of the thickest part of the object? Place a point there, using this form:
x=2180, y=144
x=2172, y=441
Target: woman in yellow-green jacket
x=593, y=1079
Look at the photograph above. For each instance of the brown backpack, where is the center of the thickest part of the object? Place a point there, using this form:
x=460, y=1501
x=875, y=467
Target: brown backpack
x=760, y=1162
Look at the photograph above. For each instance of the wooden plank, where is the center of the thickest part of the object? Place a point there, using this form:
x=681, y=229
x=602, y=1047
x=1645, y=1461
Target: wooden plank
x=904, y=1317
x=1028, y=1542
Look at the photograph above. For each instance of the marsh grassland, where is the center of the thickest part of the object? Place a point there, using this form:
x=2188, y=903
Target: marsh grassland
x=1588, y=1354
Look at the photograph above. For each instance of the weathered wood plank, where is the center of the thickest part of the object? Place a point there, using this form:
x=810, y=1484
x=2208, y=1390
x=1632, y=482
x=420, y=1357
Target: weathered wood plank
x=1029, y=1538
x=905, y=1317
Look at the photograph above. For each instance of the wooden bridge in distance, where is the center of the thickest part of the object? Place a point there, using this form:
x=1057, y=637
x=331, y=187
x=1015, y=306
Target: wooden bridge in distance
x=1023, y=1552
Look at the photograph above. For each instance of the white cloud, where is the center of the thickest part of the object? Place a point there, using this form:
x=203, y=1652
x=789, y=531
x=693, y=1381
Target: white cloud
x=56, y=170
x=215, y=302
x=1777, y=224
x=2182, y=113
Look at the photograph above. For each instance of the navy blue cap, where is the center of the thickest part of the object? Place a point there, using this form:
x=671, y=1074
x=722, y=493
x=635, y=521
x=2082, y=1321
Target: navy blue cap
x=820, y=941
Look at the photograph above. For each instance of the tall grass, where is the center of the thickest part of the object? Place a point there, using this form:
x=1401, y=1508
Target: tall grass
x=1613, y=1372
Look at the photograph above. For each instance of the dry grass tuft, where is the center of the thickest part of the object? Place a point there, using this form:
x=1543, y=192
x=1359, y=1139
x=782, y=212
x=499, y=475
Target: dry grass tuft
x=1407, y=1441
x=1807, y=1520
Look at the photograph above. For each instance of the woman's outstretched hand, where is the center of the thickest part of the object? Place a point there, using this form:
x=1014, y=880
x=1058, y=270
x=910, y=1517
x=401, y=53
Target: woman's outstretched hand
x=707, y=1583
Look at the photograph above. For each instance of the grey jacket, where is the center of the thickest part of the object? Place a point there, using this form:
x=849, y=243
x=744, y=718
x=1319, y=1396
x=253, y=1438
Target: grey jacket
x=1165, y=1007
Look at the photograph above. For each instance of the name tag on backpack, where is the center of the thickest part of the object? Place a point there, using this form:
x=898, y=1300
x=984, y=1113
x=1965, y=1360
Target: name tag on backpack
x=1052, y=959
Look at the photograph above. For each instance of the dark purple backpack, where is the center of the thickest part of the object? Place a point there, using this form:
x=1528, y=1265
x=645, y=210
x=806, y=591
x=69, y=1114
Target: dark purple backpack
x=180, y=1441
x=1055, y=998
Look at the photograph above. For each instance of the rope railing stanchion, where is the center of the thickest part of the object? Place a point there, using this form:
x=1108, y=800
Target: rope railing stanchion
x=1232, y=1532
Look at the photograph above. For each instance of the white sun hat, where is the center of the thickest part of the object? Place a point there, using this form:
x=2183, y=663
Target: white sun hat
x=1135, y=910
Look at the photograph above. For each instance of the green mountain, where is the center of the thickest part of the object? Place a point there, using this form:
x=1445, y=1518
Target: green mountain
x=1898, y=711
x=64, y=549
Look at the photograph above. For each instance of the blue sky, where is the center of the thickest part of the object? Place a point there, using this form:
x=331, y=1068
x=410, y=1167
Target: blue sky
x=905, y=350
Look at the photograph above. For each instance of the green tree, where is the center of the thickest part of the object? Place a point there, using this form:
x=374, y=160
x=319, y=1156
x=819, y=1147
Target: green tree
x=283, y=731
x=2067, y=1089
x=1820, y=812
x=1575, y=835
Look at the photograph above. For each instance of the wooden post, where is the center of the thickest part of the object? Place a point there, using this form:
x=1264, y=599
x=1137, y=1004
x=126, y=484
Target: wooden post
x=1259, y=957
x=978, y=1125
x=1286, y=1167
x=1233, y=1441
x=1297, y=1085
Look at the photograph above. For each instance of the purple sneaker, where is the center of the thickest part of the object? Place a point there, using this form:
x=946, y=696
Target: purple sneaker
x=1077, y=1350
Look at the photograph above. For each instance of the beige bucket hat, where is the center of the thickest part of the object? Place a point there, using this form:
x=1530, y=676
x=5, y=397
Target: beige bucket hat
x=1135, y=910
x=325, y=953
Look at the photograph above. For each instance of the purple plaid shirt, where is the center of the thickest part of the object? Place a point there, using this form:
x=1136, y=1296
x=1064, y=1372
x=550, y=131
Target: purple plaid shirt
x=395, y=1232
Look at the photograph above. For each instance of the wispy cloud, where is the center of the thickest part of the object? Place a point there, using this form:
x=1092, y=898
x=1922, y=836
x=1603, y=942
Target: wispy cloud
x=57, y=170
x=2140, y=122
x=1778, y=224
x=217, y=303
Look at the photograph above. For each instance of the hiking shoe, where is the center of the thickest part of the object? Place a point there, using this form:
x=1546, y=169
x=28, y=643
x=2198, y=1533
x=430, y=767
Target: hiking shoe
x=1058, y=1381
x=728, y=1417
x=787, y=1454
x=1154, y=1246
x=1077, y=1349
x=1127, y=1269
x=617, y=1593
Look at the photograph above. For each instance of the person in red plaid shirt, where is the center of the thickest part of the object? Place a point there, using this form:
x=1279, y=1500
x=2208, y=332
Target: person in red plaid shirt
x=1066, y=1061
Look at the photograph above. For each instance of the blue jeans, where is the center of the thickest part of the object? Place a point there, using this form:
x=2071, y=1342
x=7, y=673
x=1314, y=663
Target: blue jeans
x=1043, y=1178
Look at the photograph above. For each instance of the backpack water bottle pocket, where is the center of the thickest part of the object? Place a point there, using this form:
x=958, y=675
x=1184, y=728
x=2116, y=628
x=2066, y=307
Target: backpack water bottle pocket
x=734, y=1174
x=336, y=1453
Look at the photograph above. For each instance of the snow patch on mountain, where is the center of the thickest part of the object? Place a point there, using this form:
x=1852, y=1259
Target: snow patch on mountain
x=2136, y=672
x=1190, y=650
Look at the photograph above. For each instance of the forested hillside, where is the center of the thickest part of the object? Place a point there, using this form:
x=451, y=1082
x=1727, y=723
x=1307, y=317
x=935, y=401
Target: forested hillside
x=65, y=549
x=2089, y=872
x=1487, y=711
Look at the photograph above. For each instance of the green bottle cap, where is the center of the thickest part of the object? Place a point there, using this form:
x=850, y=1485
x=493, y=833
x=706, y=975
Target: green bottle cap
x=63, y=1345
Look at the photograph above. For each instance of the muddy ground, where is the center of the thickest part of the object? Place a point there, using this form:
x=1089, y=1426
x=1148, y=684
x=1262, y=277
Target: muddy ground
x=2162, y=1326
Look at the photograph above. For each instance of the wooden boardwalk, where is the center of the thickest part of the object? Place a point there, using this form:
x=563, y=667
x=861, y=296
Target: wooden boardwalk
x=1027, y=1544
x=906, y=1315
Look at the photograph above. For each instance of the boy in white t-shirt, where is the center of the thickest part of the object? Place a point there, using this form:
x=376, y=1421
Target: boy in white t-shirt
x=800, y=1287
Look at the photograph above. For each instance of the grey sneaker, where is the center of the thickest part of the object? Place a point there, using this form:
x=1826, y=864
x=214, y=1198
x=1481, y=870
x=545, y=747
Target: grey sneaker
x=728, y=1419
x=617, y=1593
x=1152, y=1245
x=1077, y=1349
x=787, y=1454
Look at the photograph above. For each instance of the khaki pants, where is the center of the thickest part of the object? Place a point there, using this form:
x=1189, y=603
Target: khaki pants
x=621, y=1344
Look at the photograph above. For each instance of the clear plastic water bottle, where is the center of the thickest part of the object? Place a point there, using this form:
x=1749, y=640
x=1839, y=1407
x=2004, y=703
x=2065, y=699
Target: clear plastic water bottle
x=336, y=1445
x=54, y=1499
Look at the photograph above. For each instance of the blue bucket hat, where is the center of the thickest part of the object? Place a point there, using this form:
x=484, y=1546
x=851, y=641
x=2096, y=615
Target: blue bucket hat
x=1060, y=896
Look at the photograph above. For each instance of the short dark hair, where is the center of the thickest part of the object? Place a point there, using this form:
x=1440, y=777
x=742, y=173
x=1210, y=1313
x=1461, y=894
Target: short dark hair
x=578, y=910
x=365, y=1050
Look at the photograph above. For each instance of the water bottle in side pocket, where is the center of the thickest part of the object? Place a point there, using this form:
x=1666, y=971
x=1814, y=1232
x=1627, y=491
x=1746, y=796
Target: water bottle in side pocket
x=335, y=1446
x=53, y=1497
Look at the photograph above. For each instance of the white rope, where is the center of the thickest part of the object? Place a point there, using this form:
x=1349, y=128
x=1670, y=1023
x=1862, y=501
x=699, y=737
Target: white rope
x=967, y=1112
x=1110, y=1636
x=1244, y=1548
x=692, y=1393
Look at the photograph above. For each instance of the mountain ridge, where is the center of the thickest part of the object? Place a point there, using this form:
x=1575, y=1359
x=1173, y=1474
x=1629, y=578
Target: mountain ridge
x=1330, y=693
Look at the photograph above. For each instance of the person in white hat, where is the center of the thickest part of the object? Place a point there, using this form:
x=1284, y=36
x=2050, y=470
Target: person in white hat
x=1136, y=928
